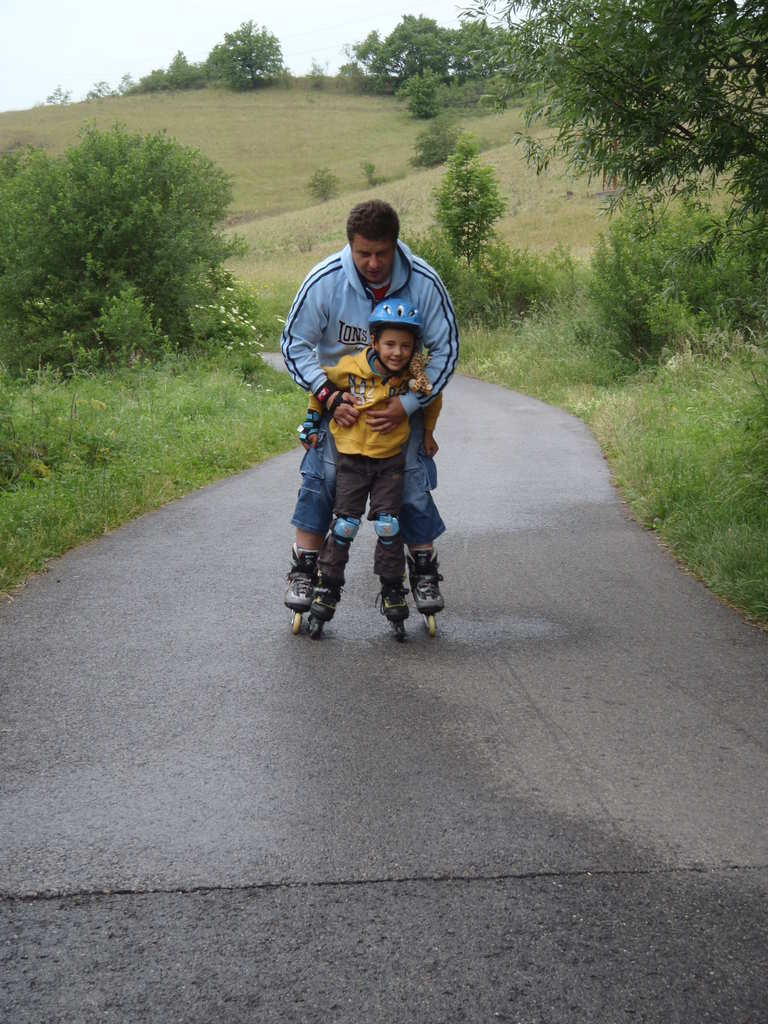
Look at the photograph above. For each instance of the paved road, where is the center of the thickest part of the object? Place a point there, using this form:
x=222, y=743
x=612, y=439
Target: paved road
x=555, y=812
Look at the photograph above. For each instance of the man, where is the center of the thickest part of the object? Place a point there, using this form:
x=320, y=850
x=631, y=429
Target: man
x=329, y=319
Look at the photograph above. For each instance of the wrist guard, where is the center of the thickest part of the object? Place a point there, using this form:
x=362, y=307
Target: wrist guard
x=308, y=429
x=324, y=392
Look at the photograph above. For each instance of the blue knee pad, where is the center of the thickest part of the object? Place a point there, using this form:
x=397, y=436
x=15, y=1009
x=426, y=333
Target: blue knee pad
x=345, y=529
x=386, y=527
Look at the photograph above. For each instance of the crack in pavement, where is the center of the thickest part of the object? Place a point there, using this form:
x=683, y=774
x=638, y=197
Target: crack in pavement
x=197, y=890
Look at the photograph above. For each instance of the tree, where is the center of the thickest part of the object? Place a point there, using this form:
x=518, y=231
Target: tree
x=415, y=46
x=121, y=225
x=423, y=95
x=100, y=91
x=468, y=202
x=474, y=50
x=248, y=58
x=666, y=96
x=183, y=75
x=59, y=97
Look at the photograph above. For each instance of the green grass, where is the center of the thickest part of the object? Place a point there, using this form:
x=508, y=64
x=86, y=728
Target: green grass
x=687, y=441
x=80, y=457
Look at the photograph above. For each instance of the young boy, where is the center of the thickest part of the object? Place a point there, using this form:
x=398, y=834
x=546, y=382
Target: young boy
x=370, y=463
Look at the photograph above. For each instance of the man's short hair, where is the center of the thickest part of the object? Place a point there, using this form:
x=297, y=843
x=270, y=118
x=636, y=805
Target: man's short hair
x=374, y=220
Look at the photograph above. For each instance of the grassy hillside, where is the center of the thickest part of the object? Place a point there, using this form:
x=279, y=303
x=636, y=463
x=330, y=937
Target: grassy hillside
x=271, y=141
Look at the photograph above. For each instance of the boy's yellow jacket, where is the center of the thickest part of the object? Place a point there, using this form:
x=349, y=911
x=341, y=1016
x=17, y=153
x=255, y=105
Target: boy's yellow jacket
x=355, y=374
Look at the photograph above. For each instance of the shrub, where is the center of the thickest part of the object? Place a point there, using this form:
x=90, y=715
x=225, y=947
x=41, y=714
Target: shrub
x=468, y=202
x=506, y=285
x=663, y=276
x=369, y=170
x=436, y=143
x=323, y=184
x=119, y=226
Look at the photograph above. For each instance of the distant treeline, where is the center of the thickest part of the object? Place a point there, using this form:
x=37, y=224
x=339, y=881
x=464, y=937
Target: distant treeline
x=427, y=64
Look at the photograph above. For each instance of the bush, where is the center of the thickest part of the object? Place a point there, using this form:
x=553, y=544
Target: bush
x=120, y=228
x=468, y=202
x=506, y=285
x=436, y=143
x=660, y=277
x=422, y=93
x=323, y=184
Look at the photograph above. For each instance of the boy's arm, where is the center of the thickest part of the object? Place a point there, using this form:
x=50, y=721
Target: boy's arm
x=441, y=334
x=431, y=412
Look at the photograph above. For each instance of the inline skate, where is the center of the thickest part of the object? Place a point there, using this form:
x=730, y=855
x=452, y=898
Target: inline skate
x=325, y=597
x=393, y=605
x=301, y=582
x=425, y=579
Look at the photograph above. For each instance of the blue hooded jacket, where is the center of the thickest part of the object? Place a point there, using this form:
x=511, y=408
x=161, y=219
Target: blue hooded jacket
x=329, y=319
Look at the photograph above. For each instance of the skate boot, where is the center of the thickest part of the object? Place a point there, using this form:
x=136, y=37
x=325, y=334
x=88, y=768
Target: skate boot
x=425, y=584
x=325, y=597
x=301, y=580
x=393, y=605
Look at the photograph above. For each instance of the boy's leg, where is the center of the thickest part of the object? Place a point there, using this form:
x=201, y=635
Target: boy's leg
x=386, y=498
x=351, y=494
x=389, y=558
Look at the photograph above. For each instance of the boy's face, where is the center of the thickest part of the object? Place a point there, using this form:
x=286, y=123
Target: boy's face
x=394, y=348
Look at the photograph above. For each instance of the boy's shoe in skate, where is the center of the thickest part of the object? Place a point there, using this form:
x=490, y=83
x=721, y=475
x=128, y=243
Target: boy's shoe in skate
x=301, y=580
x=392, y=599
x=325, y=597
x=425, y=579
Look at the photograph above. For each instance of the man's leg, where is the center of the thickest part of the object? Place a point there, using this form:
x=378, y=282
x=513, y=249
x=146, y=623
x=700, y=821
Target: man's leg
x=421, y=522
x=311, y=517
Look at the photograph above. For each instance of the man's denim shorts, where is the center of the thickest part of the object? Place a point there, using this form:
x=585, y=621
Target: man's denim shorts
x=420, y=522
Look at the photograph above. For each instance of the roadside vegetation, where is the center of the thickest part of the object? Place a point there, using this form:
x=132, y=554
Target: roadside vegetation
x=79, y=455
x=128, y=378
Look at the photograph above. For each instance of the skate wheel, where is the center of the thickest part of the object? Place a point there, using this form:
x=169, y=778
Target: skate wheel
x=296, y=623
x=430, y=624
x=315, y=628
x=399, y=629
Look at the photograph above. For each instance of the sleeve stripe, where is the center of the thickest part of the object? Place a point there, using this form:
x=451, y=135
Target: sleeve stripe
x=450, y=316
x=314, y=278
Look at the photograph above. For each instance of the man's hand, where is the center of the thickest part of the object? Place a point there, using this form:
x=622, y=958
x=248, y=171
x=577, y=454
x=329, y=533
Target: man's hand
x=387, y=417
x=346, y=412
x=308, y=429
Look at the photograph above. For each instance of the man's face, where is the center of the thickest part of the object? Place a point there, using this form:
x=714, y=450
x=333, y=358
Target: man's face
x=374, y=260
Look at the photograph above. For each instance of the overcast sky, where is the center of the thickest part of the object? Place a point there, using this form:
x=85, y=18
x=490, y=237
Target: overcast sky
x=75, y=43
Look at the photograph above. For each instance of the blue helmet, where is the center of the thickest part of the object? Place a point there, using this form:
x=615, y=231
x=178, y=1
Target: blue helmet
x=391, y=313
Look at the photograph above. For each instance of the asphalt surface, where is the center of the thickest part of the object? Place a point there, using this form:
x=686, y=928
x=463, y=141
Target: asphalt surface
x=555, y=811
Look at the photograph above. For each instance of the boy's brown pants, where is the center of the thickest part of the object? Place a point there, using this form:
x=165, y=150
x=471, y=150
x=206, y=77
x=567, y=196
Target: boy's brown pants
x=357, y=478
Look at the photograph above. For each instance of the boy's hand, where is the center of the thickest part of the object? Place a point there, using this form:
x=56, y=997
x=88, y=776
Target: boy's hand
x=431, y=447
x=346, y=412
x=385, y=418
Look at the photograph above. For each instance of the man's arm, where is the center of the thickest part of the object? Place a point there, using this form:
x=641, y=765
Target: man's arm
x=304, y=327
